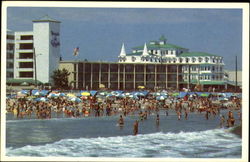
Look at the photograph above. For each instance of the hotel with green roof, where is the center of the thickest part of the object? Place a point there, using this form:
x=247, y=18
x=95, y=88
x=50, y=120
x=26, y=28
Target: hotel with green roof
x=154, y=65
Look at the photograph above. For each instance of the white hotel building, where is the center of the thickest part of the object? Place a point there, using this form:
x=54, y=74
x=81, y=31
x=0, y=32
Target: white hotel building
x=201, y=67
x=34, y=55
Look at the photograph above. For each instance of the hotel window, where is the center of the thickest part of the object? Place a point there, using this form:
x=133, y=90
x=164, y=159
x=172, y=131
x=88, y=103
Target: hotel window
x=172, y=52
x=133, y=59
x=26, y=74
x=206, y=59
x=213, y=60
x=193, y=59
x=200, y=59
x=26, y=46
x=26, y=37
x=187, y=60
x=174, y=59
x=208, y=68
x=25, y=64
x=180, y=60
x=213, y=68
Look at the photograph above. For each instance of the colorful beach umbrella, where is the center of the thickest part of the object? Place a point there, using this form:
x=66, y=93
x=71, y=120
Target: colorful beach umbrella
x=75, y=99
x=93, y=92
x=43, y=99
x=161, y=97
x=85, y=93
x=175, y=94
x=71, y=95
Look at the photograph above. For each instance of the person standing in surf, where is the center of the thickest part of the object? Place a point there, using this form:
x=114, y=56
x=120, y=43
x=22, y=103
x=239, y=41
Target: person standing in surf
x=157, y=120
x=136, y=123
x=222, y=121
x=121, y=121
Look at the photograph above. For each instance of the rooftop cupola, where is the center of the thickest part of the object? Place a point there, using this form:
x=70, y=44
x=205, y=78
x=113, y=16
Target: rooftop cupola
x=145, y=50
x=162, y=40
x=123, y=53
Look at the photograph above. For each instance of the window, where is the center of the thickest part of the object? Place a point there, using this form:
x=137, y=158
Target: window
x=10, y=46
x=26, y=74
x=26, y=55
x=26, y=46
x=174, y=59
x=25, y=64
x=133, y=59
x=180, y=60
x=11, y=37
x=187, y=60
x=26, y=37
x=193, y=59
x=200, y=59
x=206, y=59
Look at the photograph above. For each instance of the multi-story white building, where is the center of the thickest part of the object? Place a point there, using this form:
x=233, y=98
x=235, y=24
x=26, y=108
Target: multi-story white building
x=37, y=52
x=197, y=67
x=10, y=54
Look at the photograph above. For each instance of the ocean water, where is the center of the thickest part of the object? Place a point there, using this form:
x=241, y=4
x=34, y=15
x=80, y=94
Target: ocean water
x=101, y=137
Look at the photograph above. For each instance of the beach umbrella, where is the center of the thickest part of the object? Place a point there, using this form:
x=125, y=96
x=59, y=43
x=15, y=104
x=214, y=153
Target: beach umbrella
x=24, y=84
x=75, y=99
x=122, y=95
x=43, y=99
x=62, y=94
x=127, y=94
x=85, y=93
x=103, y=93
x=24, y=91
x=161, y=97
x=176, y=94
x=43, y=92
x=19, y=94
x=37, y=93
x=71, y=95
x=156, y=94
x=204, y=94
x=182, y=94
x=135, y=97
x=110, y=95
x=141, y=87
x=119, y=91
x=93, y=92
x=139, y=94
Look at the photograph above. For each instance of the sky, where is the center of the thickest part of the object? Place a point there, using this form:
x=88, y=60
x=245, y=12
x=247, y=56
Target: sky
x=100, y=32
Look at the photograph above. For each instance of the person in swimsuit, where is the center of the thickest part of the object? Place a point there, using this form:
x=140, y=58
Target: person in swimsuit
x=157, y=120
x=121, y=121
x=136, y=127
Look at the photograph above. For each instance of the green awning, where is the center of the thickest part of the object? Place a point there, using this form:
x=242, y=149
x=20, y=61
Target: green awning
x=22, y=81
x=212, y=82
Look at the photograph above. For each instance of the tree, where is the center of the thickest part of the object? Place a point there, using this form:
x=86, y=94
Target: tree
x=60, y=78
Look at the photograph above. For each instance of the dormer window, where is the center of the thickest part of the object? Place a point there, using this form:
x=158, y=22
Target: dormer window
x=206, y=59
x=193, y=59
x=180, y=60
x=200, y=59
x=187, y=60
x=133, y=59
